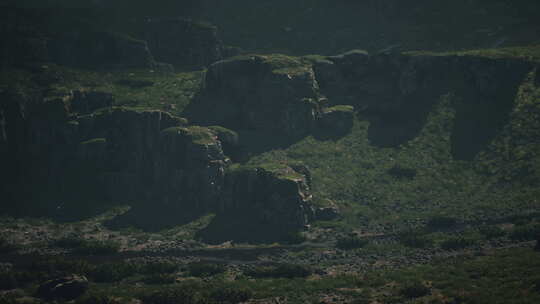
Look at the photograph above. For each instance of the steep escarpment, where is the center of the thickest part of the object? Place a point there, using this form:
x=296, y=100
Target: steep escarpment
x=262, y=203
x=266, y=94
x=396, y=92
x=61, y=163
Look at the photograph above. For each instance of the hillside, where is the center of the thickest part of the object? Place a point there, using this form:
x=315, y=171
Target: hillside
x=155, y=163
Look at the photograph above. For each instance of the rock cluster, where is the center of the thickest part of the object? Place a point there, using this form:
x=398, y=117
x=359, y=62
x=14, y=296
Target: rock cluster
x=268, y=93
x=172, y=171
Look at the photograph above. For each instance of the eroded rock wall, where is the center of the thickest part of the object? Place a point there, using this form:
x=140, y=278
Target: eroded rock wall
x=396, y=92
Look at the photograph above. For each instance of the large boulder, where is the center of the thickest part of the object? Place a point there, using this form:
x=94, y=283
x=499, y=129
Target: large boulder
x=274, y=93
x=183, y=42
x=65, y=288
x=262, y=203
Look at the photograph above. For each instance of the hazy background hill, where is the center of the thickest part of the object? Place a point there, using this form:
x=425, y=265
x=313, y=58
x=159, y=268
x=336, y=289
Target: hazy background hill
x=328, y=27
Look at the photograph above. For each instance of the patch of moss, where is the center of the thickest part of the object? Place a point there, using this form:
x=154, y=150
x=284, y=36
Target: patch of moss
x=199, y=135
x=95, y=141
x=339, y=108
x=529, y=53
x=277, y=169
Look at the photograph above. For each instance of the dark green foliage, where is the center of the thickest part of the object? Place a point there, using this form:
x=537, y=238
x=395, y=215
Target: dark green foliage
x=280, y=271
x=134, y=83
x=457, y=242
x=441, y=222
x=414, y=290
x=157, y=278
x=176, y=295
x=492, y=232
x=97, y=299
x=205, y=269
x=49, y=265
x=525, y=233
x=83, y=246
x=113, y=272
x=414, y=239
x=230, y=295
x=351, y=242
x=159, y=268
x=400, y=172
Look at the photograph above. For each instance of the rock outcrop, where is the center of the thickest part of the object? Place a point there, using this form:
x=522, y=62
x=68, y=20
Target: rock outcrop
x=262, y=203
x=262, y=92
x=397, y=91
x=169, y=171
x=183, y=42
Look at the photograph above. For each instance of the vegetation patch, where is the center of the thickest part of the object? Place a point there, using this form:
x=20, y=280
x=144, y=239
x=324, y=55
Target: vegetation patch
x=280, y=271
x=351, y=242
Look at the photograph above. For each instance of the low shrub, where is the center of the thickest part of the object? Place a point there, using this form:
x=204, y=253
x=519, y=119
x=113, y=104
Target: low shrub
x=400, y=172
x=351, y=242
x=205, y=269
x=230, y=295
x=83, y=246
x=113, y=272
x=159, y=268
x=441, y=222
x=98, y=299
x=455, y=243
x=525, y=233
x=415, y=290
x=280, y=271
x=415, y=239
x=164, y=278
x=176, y=295
x=492, y=232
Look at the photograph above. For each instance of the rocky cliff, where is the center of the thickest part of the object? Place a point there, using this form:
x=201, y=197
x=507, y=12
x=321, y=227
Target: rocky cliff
x=395, y=92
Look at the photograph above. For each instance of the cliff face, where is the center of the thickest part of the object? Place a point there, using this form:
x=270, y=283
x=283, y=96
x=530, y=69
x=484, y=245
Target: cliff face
x=266, y=93
x=58, y=161
x=396, y=92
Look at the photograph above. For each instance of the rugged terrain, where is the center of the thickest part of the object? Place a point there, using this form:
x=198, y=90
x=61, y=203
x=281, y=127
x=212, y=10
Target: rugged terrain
x=165, y=172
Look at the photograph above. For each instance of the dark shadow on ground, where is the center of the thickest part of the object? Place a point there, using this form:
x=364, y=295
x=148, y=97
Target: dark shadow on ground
x=153, y=217
x=241, y=228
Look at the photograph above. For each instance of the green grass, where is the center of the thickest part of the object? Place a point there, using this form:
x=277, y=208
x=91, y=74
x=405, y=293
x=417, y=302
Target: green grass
x=169, y=92
x=529, y=53
x=199, y=135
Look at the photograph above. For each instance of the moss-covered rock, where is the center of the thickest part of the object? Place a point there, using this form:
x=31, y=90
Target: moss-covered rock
x=230, y=141
x=261, y=203
x=274, y=93
x=337, y=119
